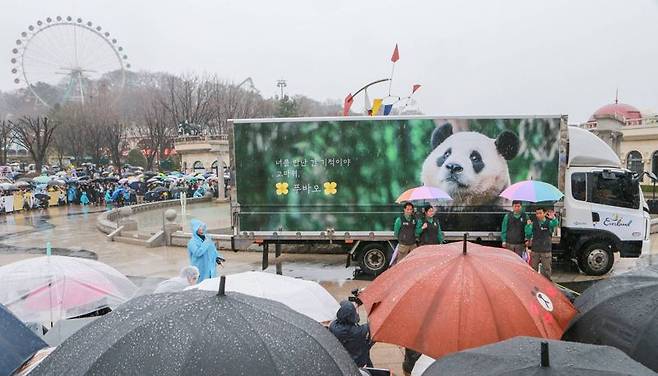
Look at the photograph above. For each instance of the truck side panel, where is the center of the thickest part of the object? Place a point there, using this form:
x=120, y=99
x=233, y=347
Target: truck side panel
x=346, y=174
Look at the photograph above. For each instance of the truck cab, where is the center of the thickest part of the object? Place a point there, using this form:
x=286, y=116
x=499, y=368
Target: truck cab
x=604, y=210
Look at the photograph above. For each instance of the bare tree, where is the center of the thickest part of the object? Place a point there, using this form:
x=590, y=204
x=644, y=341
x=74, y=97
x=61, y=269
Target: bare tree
x=114, y=133
x=35, y=135
x=69, y=139
x=189, y=98
x=232, y=102
x=156, y=130
x=6, y=139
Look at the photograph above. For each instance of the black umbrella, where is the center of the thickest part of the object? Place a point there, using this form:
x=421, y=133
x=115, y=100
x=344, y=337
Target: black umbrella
x=528, y=356
x=42, y=196
x=17, y=342
x=8, y=187
x=200, y=333
x=621, y=311
x=53, y=183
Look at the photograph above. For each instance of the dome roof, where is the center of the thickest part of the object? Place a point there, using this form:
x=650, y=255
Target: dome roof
x=622, y=110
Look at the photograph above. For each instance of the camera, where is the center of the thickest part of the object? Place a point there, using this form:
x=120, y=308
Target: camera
x=355, y=297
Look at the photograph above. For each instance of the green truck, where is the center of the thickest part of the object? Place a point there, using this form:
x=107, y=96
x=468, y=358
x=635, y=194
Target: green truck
x=336, y=180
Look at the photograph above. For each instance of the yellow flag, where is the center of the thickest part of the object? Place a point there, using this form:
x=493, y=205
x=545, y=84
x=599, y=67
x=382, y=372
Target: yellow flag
x=376, y=105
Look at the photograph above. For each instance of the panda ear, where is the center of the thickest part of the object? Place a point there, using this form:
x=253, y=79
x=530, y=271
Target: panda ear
x=507, y=144
x=440, y=134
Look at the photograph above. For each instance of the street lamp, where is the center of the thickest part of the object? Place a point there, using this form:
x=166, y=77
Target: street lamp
x=281, y=84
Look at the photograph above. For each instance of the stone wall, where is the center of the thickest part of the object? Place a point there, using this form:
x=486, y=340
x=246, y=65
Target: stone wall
x=108, y=222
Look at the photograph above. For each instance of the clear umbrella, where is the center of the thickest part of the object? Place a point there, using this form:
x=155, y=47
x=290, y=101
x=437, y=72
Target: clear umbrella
x=51, y=288
x=305, y=297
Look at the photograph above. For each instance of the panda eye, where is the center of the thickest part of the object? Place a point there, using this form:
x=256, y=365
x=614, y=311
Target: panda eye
x=475, y=156
x=447, y=153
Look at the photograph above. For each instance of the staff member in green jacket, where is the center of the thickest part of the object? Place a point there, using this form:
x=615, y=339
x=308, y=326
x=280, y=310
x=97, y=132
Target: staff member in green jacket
x=512, y=231
x=428, y=229
x=404, y=230
x=539, y=232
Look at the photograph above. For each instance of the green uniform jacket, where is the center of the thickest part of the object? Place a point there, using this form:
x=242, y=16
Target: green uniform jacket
x=419, y=229
x=552, y=224
x=398, y=224
x=503, y=227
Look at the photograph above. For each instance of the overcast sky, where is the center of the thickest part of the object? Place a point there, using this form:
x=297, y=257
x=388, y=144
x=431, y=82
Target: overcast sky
x=472, y=57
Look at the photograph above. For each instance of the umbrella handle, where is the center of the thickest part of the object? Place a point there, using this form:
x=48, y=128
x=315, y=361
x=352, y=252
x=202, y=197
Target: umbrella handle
x=545, y=358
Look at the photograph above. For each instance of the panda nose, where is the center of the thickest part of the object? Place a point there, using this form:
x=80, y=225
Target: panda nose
x=454, y=168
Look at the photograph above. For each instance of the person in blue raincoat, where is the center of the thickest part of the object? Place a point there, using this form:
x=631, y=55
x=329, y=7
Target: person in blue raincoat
x=126, y=195
x=84, y=200
x=200, y=192
x=71, y=195
x=108, y=199
x=202, y=251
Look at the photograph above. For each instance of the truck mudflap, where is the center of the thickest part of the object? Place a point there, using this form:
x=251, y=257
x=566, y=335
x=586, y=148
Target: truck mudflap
x=632, y=248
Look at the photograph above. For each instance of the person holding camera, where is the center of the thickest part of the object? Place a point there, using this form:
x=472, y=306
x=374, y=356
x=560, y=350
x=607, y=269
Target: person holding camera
x=202, y=251
x=352, y=335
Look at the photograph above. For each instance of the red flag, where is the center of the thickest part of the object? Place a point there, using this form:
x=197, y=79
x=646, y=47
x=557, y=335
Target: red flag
x=416, y=87
x=396, y=54
x=347, y=104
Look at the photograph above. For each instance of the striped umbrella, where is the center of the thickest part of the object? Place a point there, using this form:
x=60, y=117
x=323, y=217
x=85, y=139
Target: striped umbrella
x=532, y=191
x=423, y=193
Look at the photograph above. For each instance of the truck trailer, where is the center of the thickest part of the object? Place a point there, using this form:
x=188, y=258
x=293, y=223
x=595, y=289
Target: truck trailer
x=336, y=179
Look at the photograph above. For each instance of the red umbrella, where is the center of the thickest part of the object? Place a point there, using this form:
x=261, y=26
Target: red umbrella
x=442, y=299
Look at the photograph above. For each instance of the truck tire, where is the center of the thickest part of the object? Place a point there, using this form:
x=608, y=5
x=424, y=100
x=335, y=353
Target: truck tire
x=596, y=258
x=374, y=258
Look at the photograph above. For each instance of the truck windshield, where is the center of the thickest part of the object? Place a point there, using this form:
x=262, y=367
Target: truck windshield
x=613, y=189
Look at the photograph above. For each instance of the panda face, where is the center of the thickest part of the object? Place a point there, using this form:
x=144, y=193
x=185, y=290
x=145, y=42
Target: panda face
x=468, y=166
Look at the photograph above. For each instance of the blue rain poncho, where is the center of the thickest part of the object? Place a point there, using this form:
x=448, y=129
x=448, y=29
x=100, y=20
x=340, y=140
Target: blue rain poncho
x=199, y=192
x=202, y=251
x=84, y=200
x=71, y=195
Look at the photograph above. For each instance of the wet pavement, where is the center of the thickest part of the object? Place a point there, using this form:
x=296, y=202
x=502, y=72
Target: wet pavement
x=214, y=214
x=71, y=231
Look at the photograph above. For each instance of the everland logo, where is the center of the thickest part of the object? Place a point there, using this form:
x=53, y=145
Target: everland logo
x=617, y=221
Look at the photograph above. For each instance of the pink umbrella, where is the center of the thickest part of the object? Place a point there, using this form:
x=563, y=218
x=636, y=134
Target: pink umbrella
x=423, y=192
x=52, y=288
x=66, y=294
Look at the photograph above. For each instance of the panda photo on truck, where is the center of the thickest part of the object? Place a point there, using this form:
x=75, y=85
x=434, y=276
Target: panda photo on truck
x=469, y=166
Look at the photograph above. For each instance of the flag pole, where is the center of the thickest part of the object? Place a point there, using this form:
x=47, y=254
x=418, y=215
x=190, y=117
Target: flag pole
x=390, y=82
x=394, y=58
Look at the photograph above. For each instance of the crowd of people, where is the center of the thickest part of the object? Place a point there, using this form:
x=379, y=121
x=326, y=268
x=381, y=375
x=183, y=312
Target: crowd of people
x=101, y=187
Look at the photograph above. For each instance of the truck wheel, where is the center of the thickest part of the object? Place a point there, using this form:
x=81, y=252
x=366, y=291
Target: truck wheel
x=596, y=258
x=373, y=258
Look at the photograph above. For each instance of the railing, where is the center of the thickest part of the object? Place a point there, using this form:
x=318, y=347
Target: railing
x=645, y=121
x=196, y=139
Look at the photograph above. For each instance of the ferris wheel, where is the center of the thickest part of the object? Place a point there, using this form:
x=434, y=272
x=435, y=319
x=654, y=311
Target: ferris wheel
x=63, y=59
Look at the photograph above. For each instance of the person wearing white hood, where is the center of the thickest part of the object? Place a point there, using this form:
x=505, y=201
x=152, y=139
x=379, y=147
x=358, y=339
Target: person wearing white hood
x=188, y=277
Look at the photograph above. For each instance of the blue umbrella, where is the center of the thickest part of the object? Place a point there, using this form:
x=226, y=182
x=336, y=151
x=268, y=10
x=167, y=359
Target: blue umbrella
x=116, y=193
x=17, y=341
